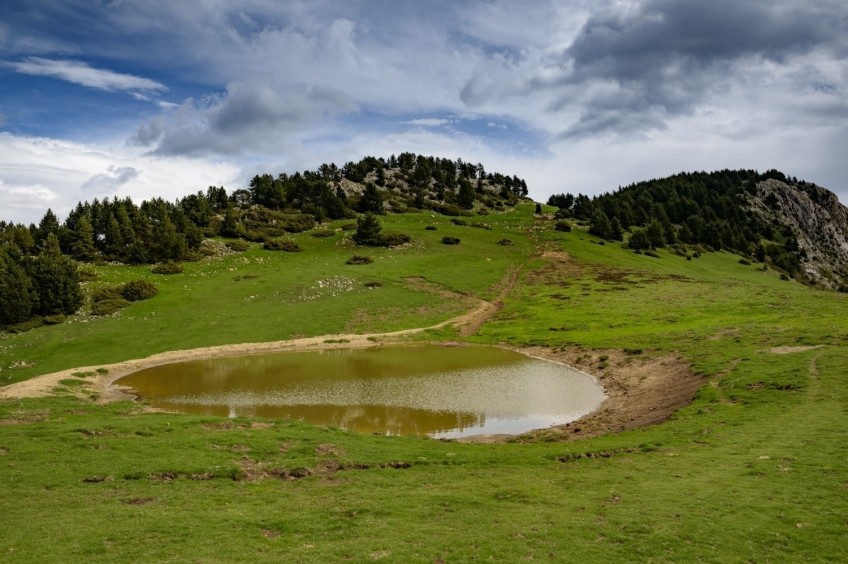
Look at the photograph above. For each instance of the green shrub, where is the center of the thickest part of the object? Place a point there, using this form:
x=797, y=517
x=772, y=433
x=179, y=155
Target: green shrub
x=650, y=253
x=394, y=239
x=238, y=246
x=54, y=319
x=373, y=284
x=430, y=228
x=320, y=233
x=349, y=227
x=358, y=259
x=108, y=307
x=28, y=325
x=745, y=262
x=506, y=242
x=450, y=240
x=86, y=275
x=459, y=222
x=137, y=290
x=168, y=267
x=563, y=226
x=286, y=245
x=450, y=209
x=106, y=293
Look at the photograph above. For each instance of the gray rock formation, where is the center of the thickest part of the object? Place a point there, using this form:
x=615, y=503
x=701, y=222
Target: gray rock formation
x=818, y=221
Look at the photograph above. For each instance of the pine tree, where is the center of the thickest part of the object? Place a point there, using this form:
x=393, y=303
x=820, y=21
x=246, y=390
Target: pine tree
x=466, y=194
x=17, y=297
x=368, y=231
x=82, y=240
x=56, y=280
x=601, y=225
x=371, y=200
x=49, y=224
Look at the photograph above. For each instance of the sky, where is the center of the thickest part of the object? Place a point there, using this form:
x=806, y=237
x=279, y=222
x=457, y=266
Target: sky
x=147, y=98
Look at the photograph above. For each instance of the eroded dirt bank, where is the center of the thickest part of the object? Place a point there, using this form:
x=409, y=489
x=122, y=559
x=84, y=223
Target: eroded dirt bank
x=641, y=389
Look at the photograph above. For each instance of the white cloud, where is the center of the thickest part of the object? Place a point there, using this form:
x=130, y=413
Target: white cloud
x=37, y=173
x=250, y=116
x=81, y=73
x=427, y=122
x=32, y=198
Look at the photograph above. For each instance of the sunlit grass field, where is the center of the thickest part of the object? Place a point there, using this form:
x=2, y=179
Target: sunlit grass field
x=755, y=469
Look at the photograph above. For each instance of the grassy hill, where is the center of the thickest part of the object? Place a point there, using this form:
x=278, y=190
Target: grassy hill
x=756, y=468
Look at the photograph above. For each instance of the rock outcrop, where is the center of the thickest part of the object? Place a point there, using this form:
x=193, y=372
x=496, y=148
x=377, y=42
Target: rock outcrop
x=818, y=222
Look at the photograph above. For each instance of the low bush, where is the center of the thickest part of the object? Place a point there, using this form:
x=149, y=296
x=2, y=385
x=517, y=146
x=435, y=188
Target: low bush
x=54, y=319
x=168, y=267
x=349, y=227
x=108, y=307
x=745, y=262
x=450, y=240
x=430, y=228
x=24, y=326
x=238, y=246
x=506, y=242
x=563, y=226
x=286, y=245
x=373, y=284
x=86, y=275
x=106, y=293
x=394, y=239
x=321, y=233
x=137, y=290
x=359, y=259
x=450, y=209
x=459, y=222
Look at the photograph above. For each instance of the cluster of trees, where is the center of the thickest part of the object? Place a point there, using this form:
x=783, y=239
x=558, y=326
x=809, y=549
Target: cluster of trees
x=158, y=231
x=38, y=263
x=707, y=209
x=45, y=283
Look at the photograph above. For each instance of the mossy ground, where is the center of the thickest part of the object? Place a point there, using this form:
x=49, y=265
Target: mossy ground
x=756, y=468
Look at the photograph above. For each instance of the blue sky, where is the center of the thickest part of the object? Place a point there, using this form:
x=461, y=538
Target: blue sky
x=160, y=98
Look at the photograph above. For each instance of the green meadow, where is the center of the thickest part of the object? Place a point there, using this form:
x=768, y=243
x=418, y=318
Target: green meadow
x=755, y=469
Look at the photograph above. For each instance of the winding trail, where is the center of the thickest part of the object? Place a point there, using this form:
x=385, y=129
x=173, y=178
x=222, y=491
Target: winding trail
x=103, y=383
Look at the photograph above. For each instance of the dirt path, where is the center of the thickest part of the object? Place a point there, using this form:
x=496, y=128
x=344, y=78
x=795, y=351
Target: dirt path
x=103, y=383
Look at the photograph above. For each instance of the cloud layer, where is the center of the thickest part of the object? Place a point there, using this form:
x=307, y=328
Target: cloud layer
x=575, y=96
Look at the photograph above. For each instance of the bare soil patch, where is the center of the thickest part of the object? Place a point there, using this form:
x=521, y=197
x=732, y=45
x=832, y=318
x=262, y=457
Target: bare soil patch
x=792, y=350
x=641, y=391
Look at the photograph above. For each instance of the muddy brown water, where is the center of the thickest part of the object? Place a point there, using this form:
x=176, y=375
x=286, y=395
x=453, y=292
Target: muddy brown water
x=445, y=392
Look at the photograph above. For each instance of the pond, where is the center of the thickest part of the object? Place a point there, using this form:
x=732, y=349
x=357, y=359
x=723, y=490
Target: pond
x=443, y=392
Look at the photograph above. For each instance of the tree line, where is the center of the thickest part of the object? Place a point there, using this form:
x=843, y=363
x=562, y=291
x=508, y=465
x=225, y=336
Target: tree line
x=699, y=208
x=38, y=263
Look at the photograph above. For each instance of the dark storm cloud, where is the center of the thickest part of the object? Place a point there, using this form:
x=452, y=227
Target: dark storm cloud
x=250, y=116
x=663, y=58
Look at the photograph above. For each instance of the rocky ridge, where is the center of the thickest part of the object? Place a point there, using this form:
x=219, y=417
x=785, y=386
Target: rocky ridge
x=818, y=221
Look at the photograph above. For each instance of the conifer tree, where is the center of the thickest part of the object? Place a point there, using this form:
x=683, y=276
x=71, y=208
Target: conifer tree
x=56, y=280
x=17, y=297
x=82, y=240
x=466, y=194
x=368, y=231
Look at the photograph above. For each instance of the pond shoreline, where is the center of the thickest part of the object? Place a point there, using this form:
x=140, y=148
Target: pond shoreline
x=641, y=389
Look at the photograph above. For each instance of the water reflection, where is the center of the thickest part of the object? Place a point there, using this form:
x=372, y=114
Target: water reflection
x=405, y=390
